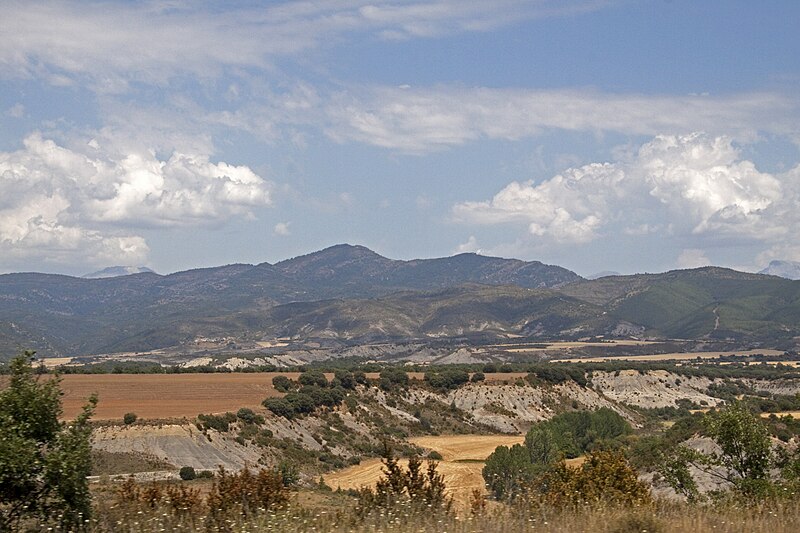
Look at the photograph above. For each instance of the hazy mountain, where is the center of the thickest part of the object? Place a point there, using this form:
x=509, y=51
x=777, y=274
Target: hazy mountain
x=603, y=274
x=350, y=293
x=113, y=272
x=63, y=314
x=783, y=269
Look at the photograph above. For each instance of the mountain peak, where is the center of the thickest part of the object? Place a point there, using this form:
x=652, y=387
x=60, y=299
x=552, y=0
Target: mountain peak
x=783, y=269
x=116, y=271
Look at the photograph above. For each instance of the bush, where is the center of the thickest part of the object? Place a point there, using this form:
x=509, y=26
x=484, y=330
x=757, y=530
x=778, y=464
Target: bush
x=282, y=383
x=280, y=407
x=477, y=377
x=246, y=494
x=313, y=377
x=604, y=478
x=345, y=379
x=418, y=490
x=248, y=416
x=446, y=379
x=187, y=473
x=129, y=418
x=220, y=423
x=393, y=377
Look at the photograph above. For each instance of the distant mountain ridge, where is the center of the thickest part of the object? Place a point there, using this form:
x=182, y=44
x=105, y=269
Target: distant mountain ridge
x=67, y=315
x=114, y=271
x=783, y=269
x=351, y=294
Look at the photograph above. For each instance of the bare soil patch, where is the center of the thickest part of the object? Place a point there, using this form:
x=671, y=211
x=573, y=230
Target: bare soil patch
x=163, y=396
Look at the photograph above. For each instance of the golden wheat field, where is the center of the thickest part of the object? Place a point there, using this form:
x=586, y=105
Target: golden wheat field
x=461, y=464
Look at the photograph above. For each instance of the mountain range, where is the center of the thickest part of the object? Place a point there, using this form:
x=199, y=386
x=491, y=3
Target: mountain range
x=783, y=269
x=351, y=294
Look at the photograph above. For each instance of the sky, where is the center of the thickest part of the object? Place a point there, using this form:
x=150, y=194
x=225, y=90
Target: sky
x=599, y=135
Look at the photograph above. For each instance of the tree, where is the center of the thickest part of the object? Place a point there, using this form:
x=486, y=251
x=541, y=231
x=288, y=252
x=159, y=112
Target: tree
x=129, y=418
x=313, y=377
x=43, y=462
x=744, y=459
x=187, y=473
x=507, y=471
x=282, y=383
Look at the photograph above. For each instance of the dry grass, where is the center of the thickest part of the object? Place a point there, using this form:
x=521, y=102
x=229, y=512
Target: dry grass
x=569, y=345
x=334, y=517
x=462, y=463
x=676, y=356
x=793, y=414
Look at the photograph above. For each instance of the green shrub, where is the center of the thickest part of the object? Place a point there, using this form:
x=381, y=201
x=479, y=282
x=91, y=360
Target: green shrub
x=282, y=383
x=248, y=416
x=393, y=377
x=446, y=379
x=313, y=377
x=220, y=423
x=280, y=407
x=129, y=418
x=187, y=473
x=604, y=478
x=477, y=377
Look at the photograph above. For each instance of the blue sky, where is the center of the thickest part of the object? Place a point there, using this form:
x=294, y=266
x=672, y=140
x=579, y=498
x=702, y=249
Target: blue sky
x=598, y=135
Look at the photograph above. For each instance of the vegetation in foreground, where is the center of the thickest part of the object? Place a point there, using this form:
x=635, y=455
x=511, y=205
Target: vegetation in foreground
x=602, y=494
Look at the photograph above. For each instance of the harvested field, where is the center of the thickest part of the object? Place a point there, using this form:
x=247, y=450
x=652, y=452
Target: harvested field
x=676, y=356
x=160, y=396
x=462, y=463
x=164, y=396
x=569, y=345
x=793, y=414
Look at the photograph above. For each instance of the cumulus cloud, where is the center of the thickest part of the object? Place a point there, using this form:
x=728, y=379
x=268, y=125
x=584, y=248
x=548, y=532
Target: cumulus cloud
x=426, y=119
x=692, y=186
x=65, y=205
x=282, y=229
x=471, y=246
x=692, y=258
x=16, y=111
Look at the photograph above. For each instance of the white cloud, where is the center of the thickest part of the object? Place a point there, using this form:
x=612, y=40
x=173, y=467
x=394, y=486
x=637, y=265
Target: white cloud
x=112, y=44
x=282, y=229
x=16, y=111
x=693, y=258
x=694, y=186
x=66, y=205
x=471, y=246
x=422, y=120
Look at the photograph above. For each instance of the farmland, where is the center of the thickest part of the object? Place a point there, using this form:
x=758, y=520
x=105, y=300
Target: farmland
x=677, y=356
x=161, y=396
x=164, y=396
x=461, y=465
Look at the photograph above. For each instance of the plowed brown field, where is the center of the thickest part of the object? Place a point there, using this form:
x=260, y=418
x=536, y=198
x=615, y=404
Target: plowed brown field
x=166, y=395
